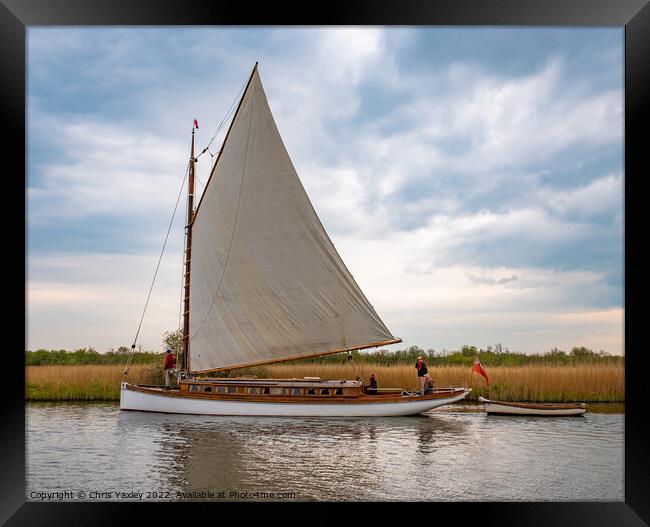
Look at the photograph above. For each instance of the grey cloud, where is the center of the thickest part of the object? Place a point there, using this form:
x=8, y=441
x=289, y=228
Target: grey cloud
x=492, y=281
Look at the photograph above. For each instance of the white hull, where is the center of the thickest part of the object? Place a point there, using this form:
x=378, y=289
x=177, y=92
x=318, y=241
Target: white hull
x=147, y=402
x=501, y=408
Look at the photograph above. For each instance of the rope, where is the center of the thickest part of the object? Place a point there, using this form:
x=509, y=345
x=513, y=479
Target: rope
x=126, y=369
x=223, y=121
x=199, y=181
x=228, y=112
x=355, y=367
x=234, y=227
x=206, y=149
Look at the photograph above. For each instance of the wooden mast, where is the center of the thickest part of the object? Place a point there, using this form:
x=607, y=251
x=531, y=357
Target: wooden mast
x=188, y=256
x=188, y=229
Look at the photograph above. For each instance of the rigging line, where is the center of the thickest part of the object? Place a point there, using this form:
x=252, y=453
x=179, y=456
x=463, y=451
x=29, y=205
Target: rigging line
x=207, y=148
x=228, y=113
x=232, y=235
x=355, y=366
x=180, y=192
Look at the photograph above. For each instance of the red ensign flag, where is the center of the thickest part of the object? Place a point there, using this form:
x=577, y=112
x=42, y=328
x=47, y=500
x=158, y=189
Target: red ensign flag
x=196, y=123
x=479, y=369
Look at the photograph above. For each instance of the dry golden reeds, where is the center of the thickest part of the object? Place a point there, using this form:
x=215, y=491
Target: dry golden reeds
x=585, y=383
x=588, y=382
x=86, y=382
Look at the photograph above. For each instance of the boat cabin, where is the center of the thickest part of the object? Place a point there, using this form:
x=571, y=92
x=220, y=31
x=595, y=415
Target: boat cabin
x=311, y=387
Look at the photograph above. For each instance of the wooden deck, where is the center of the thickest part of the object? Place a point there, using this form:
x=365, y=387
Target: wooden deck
x=301, y=391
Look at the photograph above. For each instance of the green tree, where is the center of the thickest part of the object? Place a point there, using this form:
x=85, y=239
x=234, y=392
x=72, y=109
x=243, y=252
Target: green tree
x=173, y=340
x=582, y=353
x=469, y=351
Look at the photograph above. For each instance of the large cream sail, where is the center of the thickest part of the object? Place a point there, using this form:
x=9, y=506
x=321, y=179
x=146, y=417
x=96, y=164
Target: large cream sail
x=266, y=281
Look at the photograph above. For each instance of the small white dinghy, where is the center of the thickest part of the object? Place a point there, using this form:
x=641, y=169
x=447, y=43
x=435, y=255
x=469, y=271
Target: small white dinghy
x=548, y=409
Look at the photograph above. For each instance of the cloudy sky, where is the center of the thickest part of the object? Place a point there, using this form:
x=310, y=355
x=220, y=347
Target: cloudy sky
x=471, y=178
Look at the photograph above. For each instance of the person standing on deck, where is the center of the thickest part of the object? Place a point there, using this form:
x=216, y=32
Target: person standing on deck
x=170, y=364
x=422, y=371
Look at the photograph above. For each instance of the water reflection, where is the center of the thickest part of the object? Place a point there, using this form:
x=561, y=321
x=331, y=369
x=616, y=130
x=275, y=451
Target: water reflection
x=433, y=432
x=316, y=458
x=439, y=456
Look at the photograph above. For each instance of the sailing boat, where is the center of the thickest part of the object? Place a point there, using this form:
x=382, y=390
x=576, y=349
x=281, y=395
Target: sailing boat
x=264, y=284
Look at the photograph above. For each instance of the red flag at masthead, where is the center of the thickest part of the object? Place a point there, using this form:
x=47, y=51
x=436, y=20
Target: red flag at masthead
x=196, y=124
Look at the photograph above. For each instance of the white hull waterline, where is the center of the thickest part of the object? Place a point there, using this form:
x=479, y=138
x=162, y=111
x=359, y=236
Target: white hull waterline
x=148, y=402
x=502, y=408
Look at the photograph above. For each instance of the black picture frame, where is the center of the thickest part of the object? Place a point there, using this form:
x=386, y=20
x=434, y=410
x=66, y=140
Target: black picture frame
x=633, y=15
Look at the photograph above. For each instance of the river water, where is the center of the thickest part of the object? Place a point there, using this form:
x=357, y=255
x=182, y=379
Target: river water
x=95, y=452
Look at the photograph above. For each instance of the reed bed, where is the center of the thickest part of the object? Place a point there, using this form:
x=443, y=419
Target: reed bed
x=91, y=382
x=541, y=383
x=582, y=383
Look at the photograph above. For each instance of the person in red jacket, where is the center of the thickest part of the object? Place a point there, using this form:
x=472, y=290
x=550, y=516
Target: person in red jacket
x=421, y=366
x=170, y=364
